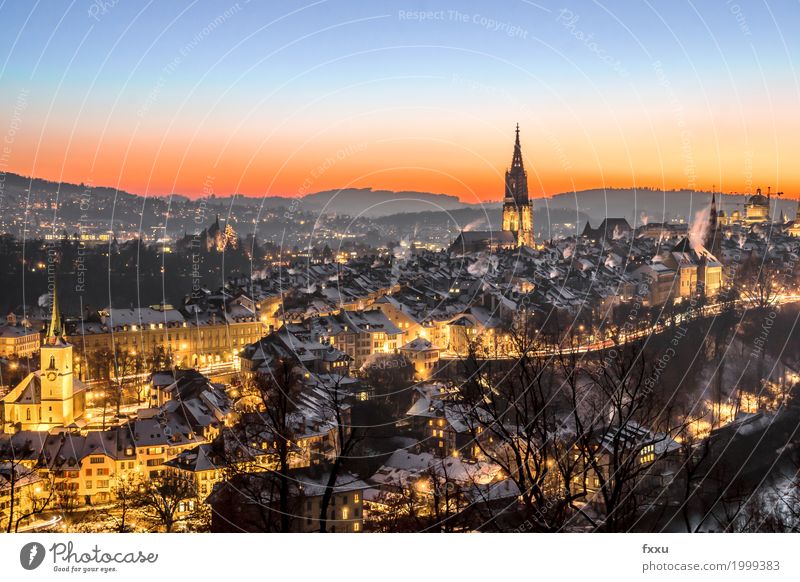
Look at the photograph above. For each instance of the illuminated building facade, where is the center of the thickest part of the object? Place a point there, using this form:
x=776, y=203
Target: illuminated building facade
x=51, y=396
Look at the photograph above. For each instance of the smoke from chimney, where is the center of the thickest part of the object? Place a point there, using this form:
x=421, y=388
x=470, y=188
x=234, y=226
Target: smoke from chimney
x=698, y=231
x=474, y=224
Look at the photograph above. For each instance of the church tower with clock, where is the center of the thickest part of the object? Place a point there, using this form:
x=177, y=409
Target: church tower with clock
x=51, y=397
x=58, y=387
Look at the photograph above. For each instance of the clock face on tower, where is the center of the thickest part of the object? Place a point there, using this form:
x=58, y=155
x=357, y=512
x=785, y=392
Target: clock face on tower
x=51, y=376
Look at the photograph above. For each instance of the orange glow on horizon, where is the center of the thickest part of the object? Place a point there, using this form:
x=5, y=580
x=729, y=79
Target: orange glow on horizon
x=467, y=166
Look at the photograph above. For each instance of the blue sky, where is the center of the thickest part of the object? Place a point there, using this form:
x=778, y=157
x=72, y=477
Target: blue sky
x=153, y=91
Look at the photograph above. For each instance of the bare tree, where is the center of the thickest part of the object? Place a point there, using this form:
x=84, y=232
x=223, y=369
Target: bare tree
x=269, y=422
x=126, y=491
x=759, y=282
x=159, y=501
x=513, y=417
x=347, y=437
x=28, y=494
x=616, y=414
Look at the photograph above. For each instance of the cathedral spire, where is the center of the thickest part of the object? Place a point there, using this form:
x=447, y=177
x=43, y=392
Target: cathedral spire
x=516, y=179
x=516, y=160
x=54, y=330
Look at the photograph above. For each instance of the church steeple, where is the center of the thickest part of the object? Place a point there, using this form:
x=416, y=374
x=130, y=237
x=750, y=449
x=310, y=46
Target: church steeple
x=713, y=213
x=712, y=242
x=516, y=178
x=55, y=330
x=516, y=159
x=517, y=209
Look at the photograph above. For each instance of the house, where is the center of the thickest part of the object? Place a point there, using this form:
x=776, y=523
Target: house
x=437, y=419
x=652, y=456
x=201, y=466
x=409, y=482
x=18, y=337
x=249, y=502
x=474, y=241
x=423, y=355
x=610, y=229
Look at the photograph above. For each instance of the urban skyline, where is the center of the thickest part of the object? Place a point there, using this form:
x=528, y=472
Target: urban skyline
x=330, y=267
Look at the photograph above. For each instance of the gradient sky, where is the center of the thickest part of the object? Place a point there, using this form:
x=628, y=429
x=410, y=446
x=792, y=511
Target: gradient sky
x=297, y=97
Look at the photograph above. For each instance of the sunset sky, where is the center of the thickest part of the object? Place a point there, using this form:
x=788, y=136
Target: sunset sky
x=161, y=97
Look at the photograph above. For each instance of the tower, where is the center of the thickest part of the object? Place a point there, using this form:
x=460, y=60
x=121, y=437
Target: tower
x=50, y=397
x=713, y=242
x=517, y=209
x=58, y=407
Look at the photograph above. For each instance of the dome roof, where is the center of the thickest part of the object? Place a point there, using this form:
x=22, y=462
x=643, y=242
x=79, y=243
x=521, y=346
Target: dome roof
x=758, y=199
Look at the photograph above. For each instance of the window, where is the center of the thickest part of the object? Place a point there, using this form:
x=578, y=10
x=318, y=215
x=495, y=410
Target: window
x=356, y=498
x=88, y=484
x=95, y=460
x=88, y=472
x=356, y=526
x=102, y=483
x=345, y=513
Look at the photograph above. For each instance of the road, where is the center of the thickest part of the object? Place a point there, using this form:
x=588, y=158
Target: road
x=625, y=338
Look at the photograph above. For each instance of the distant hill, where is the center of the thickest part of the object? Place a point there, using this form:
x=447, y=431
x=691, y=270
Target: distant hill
x=374, y=203
x=21, y=193
x=350, y=201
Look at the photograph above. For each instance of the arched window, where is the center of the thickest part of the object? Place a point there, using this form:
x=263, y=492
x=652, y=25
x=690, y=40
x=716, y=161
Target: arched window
x=28, y=414
x=52, y=363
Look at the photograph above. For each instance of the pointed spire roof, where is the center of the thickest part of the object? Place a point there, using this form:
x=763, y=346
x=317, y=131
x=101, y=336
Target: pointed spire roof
x=55, y=329
x=516, y=160
x=516, y=179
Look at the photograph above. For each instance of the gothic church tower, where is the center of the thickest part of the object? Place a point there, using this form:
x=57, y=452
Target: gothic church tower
x=517, y=209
